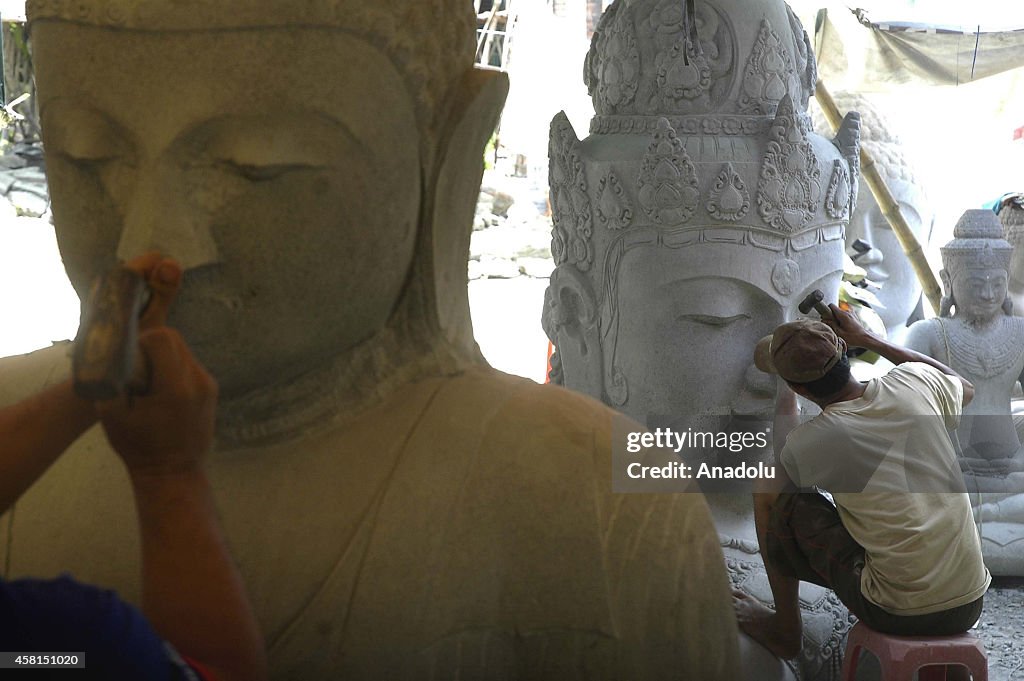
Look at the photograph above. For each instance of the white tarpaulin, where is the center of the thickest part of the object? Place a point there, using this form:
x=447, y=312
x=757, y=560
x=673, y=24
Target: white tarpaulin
x=867, y=55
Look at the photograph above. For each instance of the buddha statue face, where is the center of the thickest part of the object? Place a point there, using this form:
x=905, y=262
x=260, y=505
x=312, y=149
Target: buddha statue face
x=689, y=319
x=980, y=293
x=281, y=166
x=975, y=266
x=886, y=263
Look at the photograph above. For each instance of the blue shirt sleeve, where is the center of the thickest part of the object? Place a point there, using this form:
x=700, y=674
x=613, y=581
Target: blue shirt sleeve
x=63, y=615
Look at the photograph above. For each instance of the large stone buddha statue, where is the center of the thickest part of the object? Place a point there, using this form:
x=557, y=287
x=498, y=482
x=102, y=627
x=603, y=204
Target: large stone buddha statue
x=694, y=218
x=976, y=334
x=886, y=264
x=398, y=509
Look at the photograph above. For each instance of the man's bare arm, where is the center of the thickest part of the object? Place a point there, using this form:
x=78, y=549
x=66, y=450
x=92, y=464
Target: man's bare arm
x=785, y=590
x=192, y=592
x=34, y=433
x=849, y=329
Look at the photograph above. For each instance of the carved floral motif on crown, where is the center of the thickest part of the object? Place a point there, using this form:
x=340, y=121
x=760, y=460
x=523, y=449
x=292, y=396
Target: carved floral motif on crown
x=659, y=57
x=570, y=206
x=839, y=196
x=614, y=209
x=669, y=191
x=618, y=71
x=729, y=199
x=789, y=188
x=768, y=70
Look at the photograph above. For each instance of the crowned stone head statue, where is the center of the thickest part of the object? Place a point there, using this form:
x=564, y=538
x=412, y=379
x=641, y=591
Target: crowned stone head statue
x=261, y=139
x=974, y=269
x=698, y=213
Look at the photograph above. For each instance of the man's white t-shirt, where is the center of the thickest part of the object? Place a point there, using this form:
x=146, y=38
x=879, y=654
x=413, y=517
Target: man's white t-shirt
x=888, y=462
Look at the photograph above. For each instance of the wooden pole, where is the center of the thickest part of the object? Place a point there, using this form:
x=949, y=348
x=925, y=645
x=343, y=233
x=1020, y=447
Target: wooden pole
x=888, y=204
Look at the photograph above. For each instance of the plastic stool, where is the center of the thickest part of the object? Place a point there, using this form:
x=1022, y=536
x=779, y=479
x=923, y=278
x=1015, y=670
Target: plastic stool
x=901, y=656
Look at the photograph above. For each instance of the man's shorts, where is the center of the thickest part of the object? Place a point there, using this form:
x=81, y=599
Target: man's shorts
x=807, y=540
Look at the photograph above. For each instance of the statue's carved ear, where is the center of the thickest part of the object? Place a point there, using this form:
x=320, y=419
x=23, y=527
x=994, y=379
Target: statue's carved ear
x=946, y=303
x=472, y=118
x=570, y=321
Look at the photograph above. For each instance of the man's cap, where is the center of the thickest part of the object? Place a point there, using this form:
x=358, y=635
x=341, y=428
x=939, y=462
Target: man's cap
x=800, y=351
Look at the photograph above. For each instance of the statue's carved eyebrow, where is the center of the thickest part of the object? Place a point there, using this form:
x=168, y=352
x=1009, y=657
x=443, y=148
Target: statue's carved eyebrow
x=308, y=130
x=80, y=112
x=715, y=320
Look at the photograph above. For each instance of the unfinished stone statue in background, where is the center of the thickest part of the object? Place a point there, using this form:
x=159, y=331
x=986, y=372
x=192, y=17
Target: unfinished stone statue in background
x=886, y=263
x=693, y=220
x=976, y=335
x=398, y=509
x=1011, y=215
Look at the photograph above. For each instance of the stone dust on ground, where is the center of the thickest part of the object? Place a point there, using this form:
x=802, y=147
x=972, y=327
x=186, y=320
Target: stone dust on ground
x=1002, y=629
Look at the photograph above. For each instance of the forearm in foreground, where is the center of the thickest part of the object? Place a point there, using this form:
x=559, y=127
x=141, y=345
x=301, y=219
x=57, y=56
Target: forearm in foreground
x=192, y=592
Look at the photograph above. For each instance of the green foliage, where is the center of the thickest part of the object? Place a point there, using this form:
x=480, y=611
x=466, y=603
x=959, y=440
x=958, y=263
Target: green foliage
x=490, y=151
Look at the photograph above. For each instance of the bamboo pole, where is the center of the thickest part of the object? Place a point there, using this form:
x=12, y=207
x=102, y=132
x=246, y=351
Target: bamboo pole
x=889, y=206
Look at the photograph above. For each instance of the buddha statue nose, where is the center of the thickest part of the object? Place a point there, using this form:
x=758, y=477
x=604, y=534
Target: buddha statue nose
x=156, y=218
x=758, y=382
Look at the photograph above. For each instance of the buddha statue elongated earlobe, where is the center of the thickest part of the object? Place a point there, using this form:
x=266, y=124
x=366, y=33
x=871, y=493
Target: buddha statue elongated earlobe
x=946, y=304
x=570, y=322
x=475, y=110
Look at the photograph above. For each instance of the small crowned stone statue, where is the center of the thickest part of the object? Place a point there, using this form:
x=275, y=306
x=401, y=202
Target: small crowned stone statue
x=976, y=334
x=694, y=218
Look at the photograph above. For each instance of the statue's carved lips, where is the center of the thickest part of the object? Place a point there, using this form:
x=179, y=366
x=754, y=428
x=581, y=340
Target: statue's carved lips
x=749, y=405
x=875, y=275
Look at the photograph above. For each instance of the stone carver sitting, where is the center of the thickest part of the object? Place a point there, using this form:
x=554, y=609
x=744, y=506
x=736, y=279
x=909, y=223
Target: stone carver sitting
x=976, y=334
x=907, y=564
x=398, y=510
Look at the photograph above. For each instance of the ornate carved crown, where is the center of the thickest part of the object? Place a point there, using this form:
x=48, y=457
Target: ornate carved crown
x=677, y=57
x=977, y=243
x=701, y=125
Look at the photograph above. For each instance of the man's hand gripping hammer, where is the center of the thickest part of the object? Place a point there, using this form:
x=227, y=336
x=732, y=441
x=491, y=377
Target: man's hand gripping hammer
x=815, y=299
x=106, y=361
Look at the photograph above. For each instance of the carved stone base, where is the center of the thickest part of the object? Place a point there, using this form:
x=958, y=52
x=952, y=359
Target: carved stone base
x=826, y=619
